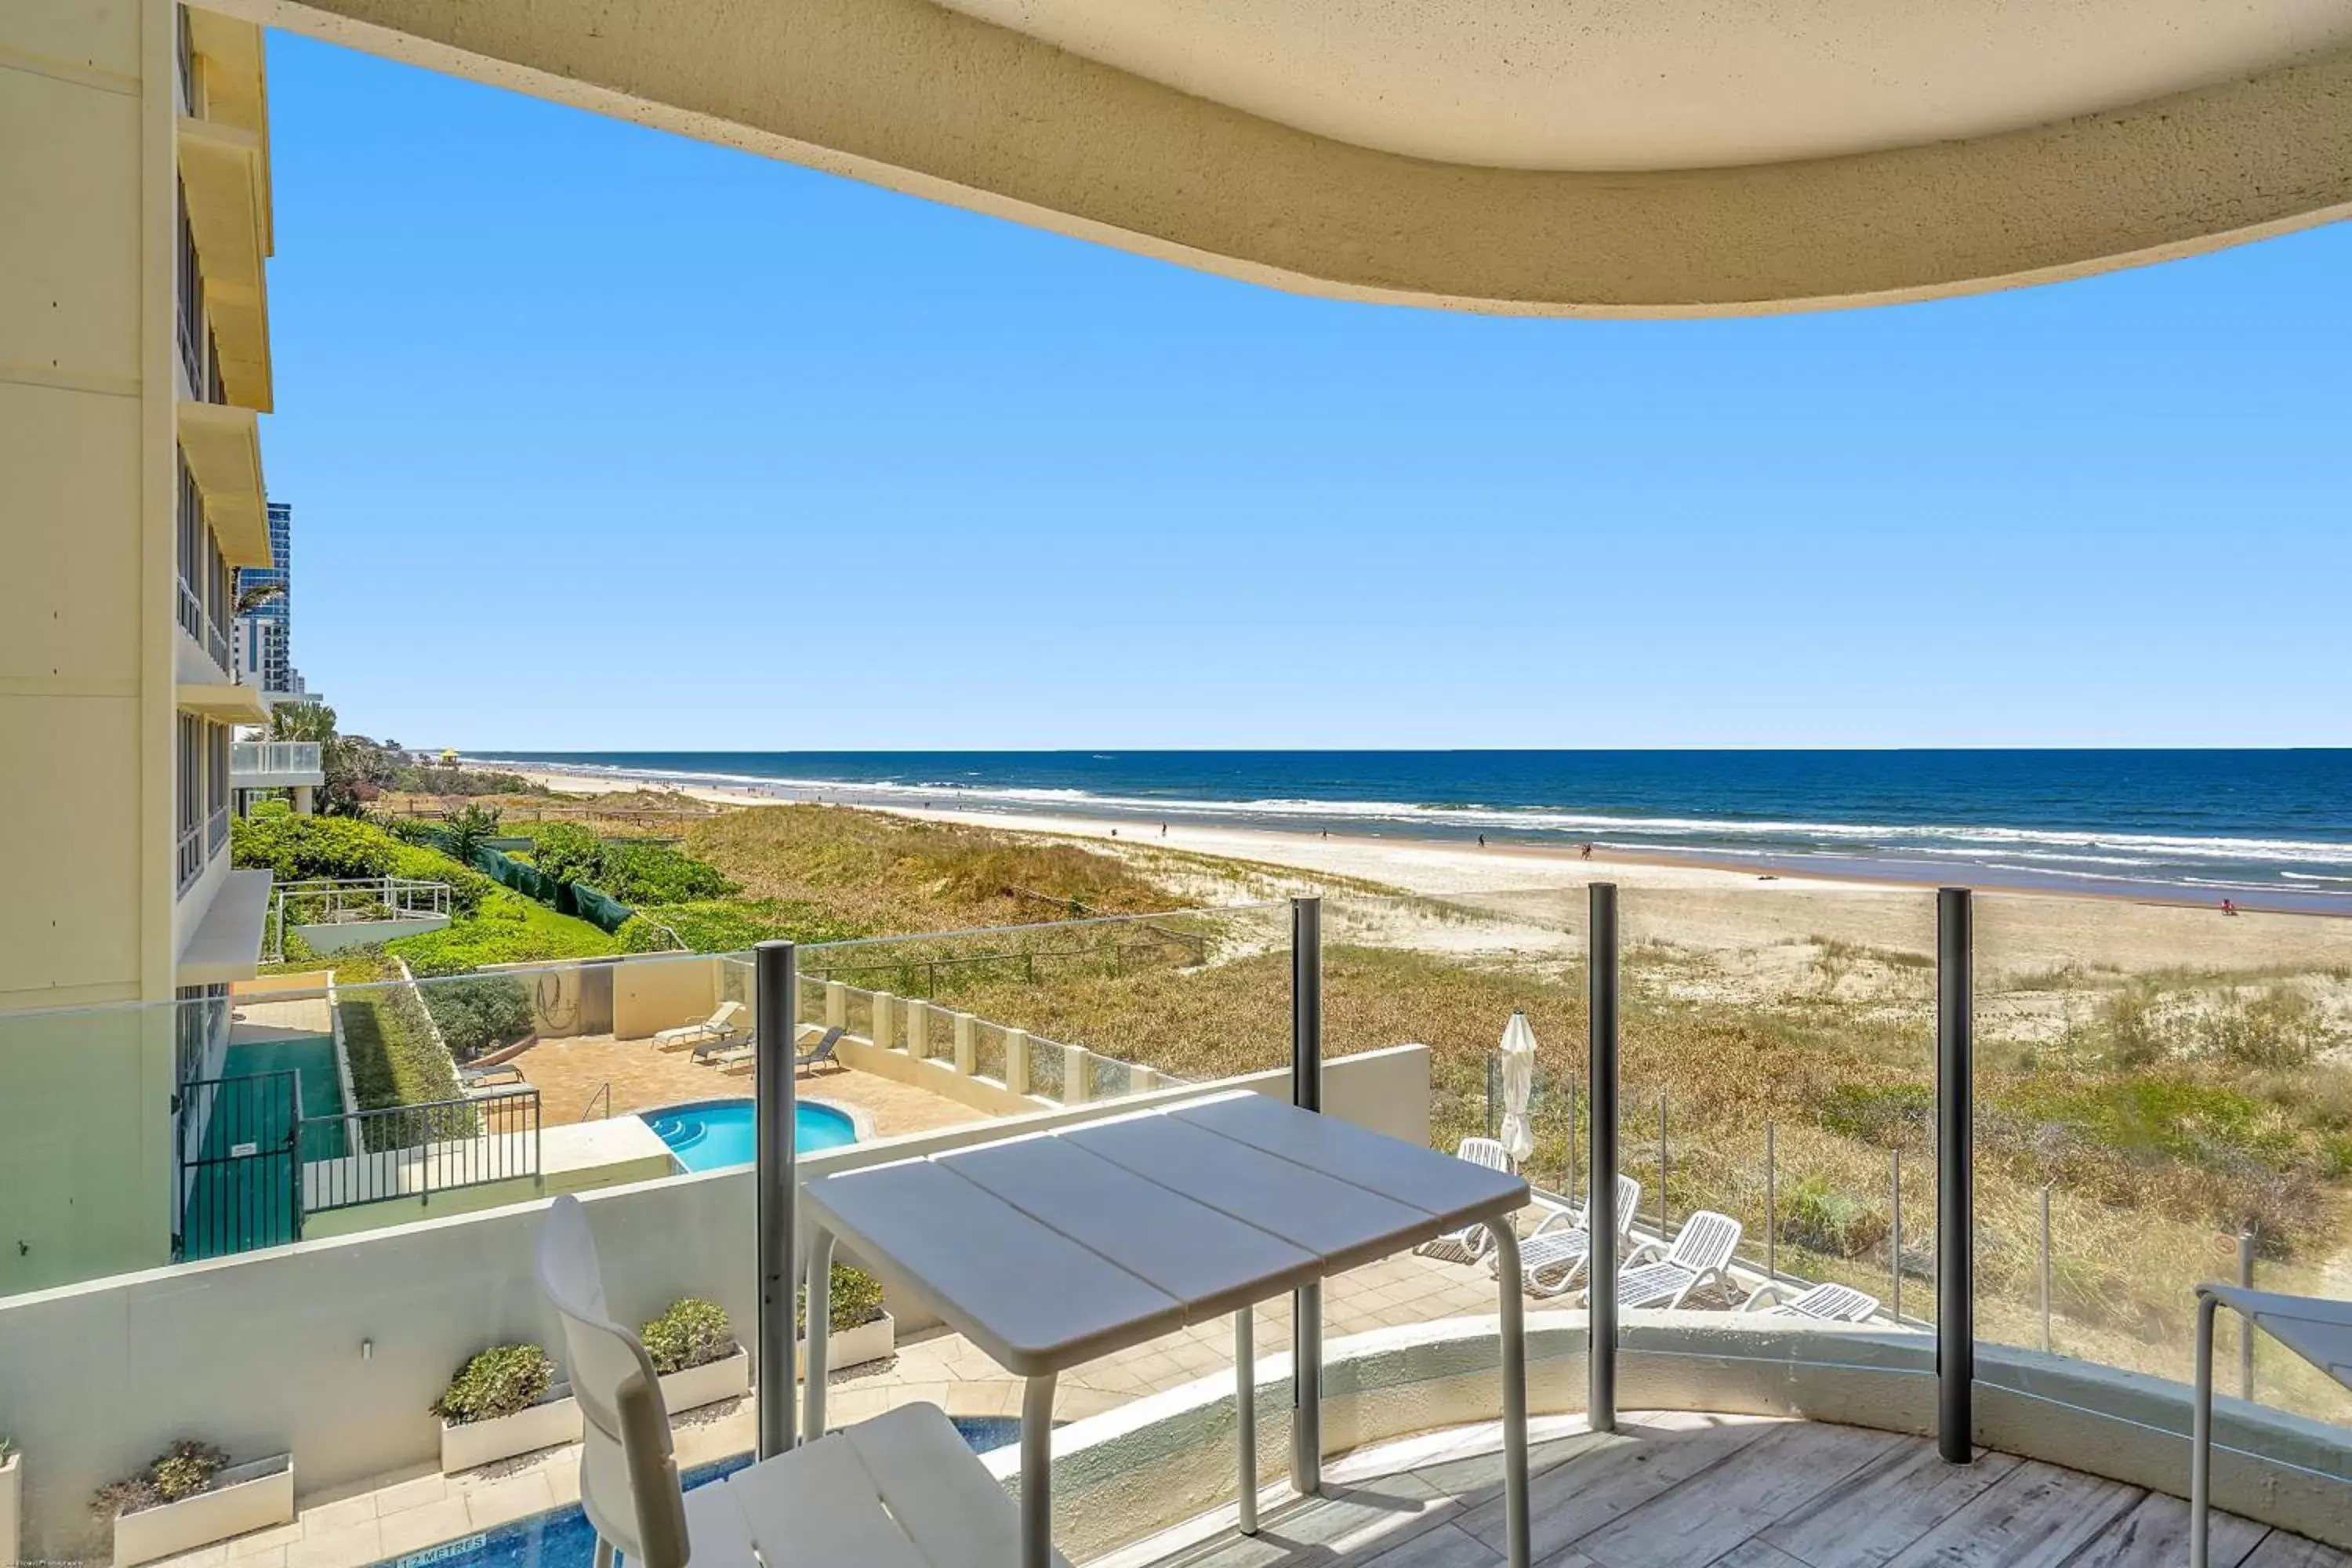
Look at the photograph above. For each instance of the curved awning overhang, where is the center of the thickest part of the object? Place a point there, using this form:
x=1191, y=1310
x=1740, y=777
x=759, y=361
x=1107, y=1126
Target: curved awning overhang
x=1831, y=154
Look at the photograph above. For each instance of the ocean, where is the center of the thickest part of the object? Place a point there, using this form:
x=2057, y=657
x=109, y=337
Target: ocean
x=2268, y=828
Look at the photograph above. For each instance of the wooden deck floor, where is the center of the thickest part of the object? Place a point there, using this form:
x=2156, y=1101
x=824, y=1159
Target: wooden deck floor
x=1676, y=1490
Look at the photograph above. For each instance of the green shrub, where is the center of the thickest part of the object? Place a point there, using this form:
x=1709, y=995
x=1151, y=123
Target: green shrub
x=690, y=1333
x=466, y=831
x=507, y=929
x=479, y=1014
x=1834, y=1224
x=631, y=871
x=299, y=849
x=181, y=1470
x=855, y=1298
x=503, y=1380
x=389, y=1042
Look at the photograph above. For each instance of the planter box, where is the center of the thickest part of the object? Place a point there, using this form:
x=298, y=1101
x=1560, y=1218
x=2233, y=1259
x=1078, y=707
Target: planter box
x=707, y=1383
x=12, y=1507
x=555, y=1419
x=876, y=1341
x=243, y=1498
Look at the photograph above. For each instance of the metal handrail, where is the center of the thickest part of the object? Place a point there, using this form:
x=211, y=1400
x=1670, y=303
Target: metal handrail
x=343, y=901
x=439, y=1146
x=605, y=1093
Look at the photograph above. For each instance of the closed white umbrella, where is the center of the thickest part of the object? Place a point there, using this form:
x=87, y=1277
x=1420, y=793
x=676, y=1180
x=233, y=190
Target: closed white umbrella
x=1518, y=1086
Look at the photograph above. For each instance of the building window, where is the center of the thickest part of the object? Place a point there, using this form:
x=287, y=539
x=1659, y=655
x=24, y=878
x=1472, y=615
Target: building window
x=194, y=336
x=189, y=758
x=193, y=534
x=217, y=788
x=187, y=62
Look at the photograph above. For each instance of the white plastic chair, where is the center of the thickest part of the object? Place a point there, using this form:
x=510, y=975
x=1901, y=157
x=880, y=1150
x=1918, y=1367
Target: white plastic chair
x=902, y=1490
x=1470, y=1243
x=1552, y=1259
x=1829, y=1303
x=1702, y=1252
x=718, y=1026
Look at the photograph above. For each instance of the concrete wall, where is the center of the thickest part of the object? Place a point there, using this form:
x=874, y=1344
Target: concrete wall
x=332, y=1349
x=650, y=995
x=85, y=1144
x=87, y=620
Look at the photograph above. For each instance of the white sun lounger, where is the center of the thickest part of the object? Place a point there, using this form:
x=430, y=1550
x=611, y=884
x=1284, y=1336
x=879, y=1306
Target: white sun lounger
x=1702, y=1252
x=1830, y=1303
x=718, y=1026
x=1552, y=1260
x=902, y=1490
x=1470, y=1243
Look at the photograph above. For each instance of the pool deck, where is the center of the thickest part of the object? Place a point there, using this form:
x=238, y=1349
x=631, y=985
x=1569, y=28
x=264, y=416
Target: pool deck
x=570, y=1074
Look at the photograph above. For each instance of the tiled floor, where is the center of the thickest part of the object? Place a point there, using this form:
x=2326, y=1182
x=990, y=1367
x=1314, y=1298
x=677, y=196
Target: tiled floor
x=572, y=1073
x=389, y=1515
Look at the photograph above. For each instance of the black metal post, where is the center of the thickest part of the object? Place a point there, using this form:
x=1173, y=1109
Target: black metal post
x=1600, y=1163
x=1307, y=1093
x=1956, y=1348
x=777, y=1188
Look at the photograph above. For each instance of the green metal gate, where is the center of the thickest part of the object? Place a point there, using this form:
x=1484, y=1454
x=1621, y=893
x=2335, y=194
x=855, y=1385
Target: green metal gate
x=242, y=1186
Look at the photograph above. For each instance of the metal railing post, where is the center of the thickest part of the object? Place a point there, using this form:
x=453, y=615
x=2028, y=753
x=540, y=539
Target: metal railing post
x=2245, y=1324
x=1894, y=1224
x=1307, y=1093
x=1771, y=1204
x=777, y=1189
x=1600, y=1161
x=1956, y=1352
x=2045, y=1272
x=1665, y=1217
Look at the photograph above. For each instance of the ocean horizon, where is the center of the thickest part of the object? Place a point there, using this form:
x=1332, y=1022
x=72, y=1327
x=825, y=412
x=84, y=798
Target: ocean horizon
x=2268, y=828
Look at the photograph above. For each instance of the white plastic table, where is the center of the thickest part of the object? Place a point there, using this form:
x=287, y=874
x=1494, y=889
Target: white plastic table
x=2317, y=1328
x=1052, y=1249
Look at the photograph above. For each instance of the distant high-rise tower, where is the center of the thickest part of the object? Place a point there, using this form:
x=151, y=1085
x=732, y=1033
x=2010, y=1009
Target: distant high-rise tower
x=265, y=635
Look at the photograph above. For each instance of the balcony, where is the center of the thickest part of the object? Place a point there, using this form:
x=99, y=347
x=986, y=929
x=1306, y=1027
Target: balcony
x=331, y=914
x=1776, y=1066
x=223, y=446
x=224, y=160
x=275, y=765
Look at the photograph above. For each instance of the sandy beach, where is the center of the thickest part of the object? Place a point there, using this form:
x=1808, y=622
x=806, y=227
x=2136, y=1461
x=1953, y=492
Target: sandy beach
x=1684, y=902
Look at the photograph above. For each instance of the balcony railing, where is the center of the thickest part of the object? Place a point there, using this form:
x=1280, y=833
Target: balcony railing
x=350, y=900
x=191, y=855
x=2063, y=1112
x=271, y=758
x=216, y=831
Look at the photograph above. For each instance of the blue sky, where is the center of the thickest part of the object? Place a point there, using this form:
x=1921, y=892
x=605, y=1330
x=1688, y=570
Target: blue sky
x=602, y=438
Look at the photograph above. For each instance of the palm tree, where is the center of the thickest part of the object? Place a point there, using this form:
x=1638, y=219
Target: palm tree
x=253, y=595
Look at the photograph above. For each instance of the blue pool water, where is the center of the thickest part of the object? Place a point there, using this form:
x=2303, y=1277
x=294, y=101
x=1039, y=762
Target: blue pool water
x=714, y=1133
x=564, y=1539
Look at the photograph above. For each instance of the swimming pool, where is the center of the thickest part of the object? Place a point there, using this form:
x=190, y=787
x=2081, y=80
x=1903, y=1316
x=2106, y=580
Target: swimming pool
x=714, y=1133
x=564, y=1538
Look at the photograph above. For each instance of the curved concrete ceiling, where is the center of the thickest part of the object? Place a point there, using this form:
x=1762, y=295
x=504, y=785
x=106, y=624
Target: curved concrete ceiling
x=1673, y=84
x=1543, y=157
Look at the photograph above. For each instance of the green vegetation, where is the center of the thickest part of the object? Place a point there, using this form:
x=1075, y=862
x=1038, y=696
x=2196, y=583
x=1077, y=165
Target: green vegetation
x=301, y=848
x=634, y=871
x=464, y=833
x=504, y=1380
x=852, y=1298
x=182, y=1470
x=508, y=929
x=388, y=1038
x=479, y=1014
x=877, y=874
x=730, y=925
x=689, y=1332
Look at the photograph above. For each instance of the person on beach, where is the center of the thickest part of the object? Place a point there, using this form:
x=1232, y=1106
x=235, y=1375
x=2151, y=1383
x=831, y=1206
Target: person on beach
x=1587, y=853
x=1163, y=830
x=1482, y=841
x=2228, y=907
